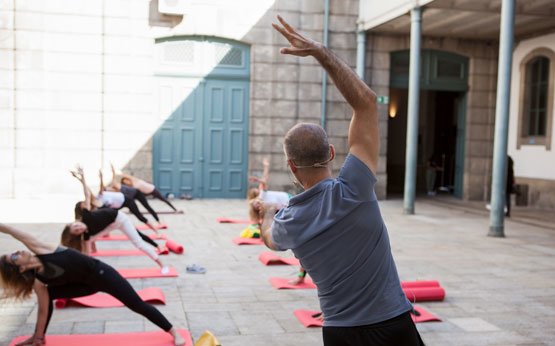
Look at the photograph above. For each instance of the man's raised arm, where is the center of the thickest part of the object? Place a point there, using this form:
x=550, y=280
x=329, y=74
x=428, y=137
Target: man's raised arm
x=364, y=139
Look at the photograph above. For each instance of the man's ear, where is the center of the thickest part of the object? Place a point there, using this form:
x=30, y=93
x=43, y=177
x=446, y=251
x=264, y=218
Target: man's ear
x=292, y=165
x=22, y=268
x=332, y=152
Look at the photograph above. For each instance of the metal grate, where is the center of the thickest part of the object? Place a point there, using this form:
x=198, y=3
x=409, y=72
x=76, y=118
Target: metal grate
x=226, y=54
x=182, y=52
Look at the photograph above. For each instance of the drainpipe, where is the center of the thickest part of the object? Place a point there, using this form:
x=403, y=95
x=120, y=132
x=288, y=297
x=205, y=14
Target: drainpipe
x=323, y=109
x=361, y=50
x=499, y=176
x=412, y=121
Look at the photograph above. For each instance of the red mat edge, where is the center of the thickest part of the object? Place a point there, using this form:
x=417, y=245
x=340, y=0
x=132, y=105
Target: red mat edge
x=248, y=241
x=282, y=284
x=54, y=340
x=126, y=273
x=152, y=295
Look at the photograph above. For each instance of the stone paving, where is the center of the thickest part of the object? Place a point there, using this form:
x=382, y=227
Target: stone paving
x=498, y=291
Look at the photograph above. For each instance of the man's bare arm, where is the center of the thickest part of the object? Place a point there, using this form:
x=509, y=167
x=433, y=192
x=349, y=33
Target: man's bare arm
x=268, y=212
x=364, y=129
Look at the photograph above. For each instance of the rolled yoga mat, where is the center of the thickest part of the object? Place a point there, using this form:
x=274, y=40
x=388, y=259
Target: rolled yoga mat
x=283, y=283
x=140, y=273
x=143, y=227
x=423, y=283
x=153, y=295
x=248, y=241
x=114, y=237
x=424, y=294
x=270, y=258
x=119, y=252
x=174, y=247
x=228, y=220
x=158, y=338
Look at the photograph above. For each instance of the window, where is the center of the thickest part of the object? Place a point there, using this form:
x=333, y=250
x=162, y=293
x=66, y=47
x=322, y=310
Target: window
x=536, y=98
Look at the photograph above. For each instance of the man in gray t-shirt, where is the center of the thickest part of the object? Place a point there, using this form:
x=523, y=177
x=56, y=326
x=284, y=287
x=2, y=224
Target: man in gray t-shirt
x=335, y=227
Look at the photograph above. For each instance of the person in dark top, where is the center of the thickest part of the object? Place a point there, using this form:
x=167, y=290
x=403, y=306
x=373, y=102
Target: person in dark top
x=129, y=194
x=58, y=272
x=510, y=185
x=93, y=223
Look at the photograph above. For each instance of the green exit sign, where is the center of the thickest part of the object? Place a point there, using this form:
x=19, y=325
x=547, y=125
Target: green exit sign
x=383, y=100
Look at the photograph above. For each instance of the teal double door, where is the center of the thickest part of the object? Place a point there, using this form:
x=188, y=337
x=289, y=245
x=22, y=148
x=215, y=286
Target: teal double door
x=201, y=148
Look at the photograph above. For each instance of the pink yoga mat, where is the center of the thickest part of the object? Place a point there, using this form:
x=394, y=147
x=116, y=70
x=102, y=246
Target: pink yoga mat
x=139, y=273
x=424, y=294
x=143, y=227
x=228, y=220
x=425, y=316
x=283, y=283
x=152, y=295
x=248, y=241
x=307, y=319
x=423, y=283
x=118, y=252
x=113, y=237
x=159, y=338
x=269, y=258
x=174, y=247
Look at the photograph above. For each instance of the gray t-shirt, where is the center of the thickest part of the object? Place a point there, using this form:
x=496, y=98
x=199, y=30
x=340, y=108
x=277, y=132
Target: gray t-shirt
x=337, y=232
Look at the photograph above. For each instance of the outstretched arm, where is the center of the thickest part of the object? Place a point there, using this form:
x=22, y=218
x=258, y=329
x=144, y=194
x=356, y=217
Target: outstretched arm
x=32, y=243
x=265, y=175
x=102, y=187
x=80, y=175
x=363, y=130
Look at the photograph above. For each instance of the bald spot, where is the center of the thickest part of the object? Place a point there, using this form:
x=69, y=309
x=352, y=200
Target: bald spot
x=307, y=144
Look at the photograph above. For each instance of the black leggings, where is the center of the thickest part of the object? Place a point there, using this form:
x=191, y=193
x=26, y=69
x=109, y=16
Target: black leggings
x=156, y=194
x=106, y=279
x=147, y=239
x=398, y=331
x=142, y=199
x=134, y=209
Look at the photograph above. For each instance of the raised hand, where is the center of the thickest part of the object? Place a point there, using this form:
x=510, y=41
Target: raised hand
x=300, y=45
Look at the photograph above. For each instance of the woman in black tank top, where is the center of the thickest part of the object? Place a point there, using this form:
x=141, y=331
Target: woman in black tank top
x=57, y=272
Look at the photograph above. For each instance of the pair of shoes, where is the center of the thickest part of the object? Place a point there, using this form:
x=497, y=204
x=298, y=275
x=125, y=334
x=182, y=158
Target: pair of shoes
x=165, y=270
x=196, y=269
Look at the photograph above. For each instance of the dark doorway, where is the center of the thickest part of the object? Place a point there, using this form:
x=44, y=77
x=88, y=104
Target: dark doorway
x=439, y=140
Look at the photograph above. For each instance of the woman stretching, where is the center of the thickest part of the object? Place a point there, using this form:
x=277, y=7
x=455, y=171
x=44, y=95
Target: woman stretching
x=119, y=196
x=94, y=223
x=144, y=187
x=58, y=272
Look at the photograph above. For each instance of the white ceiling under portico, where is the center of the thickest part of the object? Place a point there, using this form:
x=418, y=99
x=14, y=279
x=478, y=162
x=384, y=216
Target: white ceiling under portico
x=476, y=19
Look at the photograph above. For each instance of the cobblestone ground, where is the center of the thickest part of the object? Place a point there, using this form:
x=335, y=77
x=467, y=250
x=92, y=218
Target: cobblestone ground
x=498, y=291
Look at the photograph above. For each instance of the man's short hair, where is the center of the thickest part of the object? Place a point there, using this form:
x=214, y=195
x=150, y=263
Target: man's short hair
x=306, y=144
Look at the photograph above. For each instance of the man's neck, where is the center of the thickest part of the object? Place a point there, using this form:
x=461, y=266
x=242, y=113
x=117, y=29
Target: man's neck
x=315, y=176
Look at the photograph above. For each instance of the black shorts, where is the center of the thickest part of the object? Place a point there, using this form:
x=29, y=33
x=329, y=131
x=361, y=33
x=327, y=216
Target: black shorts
x=398, y=331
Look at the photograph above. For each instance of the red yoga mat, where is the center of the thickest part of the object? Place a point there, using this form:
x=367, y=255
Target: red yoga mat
x=269, y=258
x=228, y=220
x=423, y=283
x=283, y=283
x=423, y=315
x=153, y=295
x=114, y=237
x=118, y=252
x=424, y=294
x=159, y=338
x=248, y=241
x=174, y=247
x=306, y=317
x=143, y=227
x=140, y=273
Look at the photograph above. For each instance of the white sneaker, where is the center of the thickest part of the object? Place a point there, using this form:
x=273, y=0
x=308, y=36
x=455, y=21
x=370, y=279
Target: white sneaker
x=165, y=270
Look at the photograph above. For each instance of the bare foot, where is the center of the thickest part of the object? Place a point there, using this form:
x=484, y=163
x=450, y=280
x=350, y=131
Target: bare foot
x=177, y=338
x=297, y=281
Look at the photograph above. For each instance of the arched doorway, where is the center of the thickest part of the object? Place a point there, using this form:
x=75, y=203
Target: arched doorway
x=201, y=149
